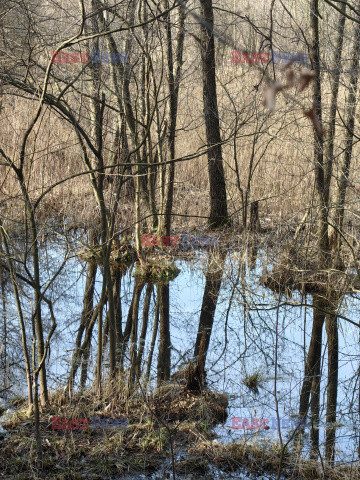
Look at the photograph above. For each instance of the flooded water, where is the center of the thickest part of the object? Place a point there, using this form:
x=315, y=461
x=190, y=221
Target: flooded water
x=254, y=333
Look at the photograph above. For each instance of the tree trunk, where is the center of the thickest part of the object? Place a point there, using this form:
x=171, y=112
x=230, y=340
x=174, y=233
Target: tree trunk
x=134, y=332
x=350, y=109
x=334, y=84
x=118, y=316
x=320, y=185
x=37, y=313
x=153, y=339
x=311, y=380
x=145, y=320
x=254, y=224
x=332, y=381
x=173, y=77
x=314, y=353
x=87, y=312
x=208, y=307
x=218, y=203
x=163, y=367
x=21, y=317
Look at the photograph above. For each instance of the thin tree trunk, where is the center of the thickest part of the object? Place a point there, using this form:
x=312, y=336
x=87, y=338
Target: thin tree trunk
x=37, y=313
x=134, y=332
x=174, y=68
x=118, y=316
x=311, y=380
x=332, y=381
x=87, y=312
x=350, y=110
x=145, y=321
x=141, y=192
x=97, y=109
x=36, y=397
x=314, y=353
x=163, y=366
x=21, y=318
x=321, y=188
x=153, y=340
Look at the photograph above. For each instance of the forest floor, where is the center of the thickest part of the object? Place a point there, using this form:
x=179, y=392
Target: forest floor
x=168, y=425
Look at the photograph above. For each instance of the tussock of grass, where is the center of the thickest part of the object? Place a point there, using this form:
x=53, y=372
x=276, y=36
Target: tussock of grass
x=168, y=414
x=160, y=271
x=173, y=403
x=253, y=381
x=302, y=271
x=265, y=457
x=121, y=257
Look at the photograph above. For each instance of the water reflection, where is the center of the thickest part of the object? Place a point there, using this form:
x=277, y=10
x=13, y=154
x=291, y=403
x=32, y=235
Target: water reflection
x=270, y=353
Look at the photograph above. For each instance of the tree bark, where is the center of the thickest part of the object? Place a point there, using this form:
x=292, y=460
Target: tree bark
x=153, y=339
x=163, y=367
x=311, y=380
x=174, y=68
x=332, y=381
x=320, y=184
x=209, y=302
x=145, y=319
x=350, y=110
x=218, y=202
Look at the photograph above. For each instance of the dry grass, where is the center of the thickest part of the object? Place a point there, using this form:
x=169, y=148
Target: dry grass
x=282, y=180
x=155, y=419
x=169, y=414
x=265, y=457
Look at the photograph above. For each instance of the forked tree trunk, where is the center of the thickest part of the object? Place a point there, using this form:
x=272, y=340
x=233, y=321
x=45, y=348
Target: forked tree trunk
x=134, y=307
x=174, y=68
x=311, y=380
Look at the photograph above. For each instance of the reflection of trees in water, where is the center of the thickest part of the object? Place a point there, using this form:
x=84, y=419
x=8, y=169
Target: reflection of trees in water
x=213, y=278
x=163, y=365
x=239, y=320
x=324, y=311
x=257, y=322
x=11, y=356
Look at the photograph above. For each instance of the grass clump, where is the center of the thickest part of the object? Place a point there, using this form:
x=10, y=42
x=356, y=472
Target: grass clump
x=122, y=255
x=253, y=381
x=157, y=272
x=159, y=419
